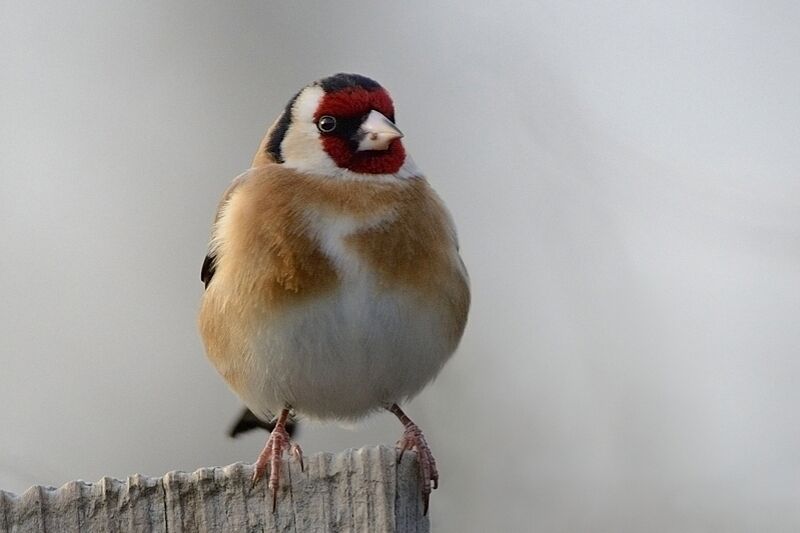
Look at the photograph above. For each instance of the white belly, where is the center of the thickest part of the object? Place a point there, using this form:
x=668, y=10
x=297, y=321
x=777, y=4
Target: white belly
x=347, y=353
x=352, y=351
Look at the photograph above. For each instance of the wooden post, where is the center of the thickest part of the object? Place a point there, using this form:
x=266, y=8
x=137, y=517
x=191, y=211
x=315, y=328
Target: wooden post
x=355, y=490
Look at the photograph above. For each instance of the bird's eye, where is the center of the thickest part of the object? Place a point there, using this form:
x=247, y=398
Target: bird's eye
x=326, y=124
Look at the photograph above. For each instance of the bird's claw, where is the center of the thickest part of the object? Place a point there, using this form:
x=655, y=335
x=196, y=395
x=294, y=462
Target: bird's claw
x=414, y=439
x=270, y=458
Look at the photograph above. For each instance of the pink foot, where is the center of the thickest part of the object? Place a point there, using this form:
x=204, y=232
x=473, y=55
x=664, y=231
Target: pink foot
x=413, y=439
x=272, y=454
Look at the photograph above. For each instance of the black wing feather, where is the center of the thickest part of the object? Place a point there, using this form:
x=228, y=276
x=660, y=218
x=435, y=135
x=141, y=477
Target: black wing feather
x=209, y=267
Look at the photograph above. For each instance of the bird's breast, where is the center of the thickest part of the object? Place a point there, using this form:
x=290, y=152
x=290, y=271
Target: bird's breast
x=285, y=237
x=323, y=285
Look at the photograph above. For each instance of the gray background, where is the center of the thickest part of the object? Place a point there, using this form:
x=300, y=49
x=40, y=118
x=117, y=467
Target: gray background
x=626, y=182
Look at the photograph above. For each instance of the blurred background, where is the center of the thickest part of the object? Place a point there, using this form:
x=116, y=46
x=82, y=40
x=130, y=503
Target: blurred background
x=626, y=182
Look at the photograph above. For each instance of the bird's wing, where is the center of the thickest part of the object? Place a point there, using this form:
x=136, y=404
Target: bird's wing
x=209, y=263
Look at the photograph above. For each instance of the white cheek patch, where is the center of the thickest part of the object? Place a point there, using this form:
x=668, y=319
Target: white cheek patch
x=301, y=147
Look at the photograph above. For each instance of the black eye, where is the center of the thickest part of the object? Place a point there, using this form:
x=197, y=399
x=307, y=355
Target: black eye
x=326, y=124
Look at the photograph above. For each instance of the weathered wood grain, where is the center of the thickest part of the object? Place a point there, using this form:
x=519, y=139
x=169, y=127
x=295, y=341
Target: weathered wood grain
x=355, y=490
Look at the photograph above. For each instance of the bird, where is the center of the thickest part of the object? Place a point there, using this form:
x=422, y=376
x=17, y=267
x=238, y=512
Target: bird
x=334, y=286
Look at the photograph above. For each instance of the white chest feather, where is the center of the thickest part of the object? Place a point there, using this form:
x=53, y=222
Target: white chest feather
x=352, y=350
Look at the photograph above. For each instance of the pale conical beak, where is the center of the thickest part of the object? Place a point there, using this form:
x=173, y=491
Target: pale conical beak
x=376, y=133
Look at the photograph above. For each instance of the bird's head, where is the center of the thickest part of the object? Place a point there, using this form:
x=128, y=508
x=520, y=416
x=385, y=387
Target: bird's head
x=336, y=126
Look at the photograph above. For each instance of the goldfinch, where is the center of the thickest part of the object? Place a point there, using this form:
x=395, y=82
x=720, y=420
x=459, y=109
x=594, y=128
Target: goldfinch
x=333, y=282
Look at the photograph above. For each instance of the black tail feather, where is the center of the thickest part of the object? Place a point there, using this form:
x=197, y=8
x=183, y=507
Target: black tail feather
x=247, y=421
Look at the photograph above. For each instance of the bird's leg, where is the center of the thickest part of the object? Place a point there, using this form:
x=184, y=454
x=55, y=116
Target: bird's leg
x=272, y=454
x=414, y=439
